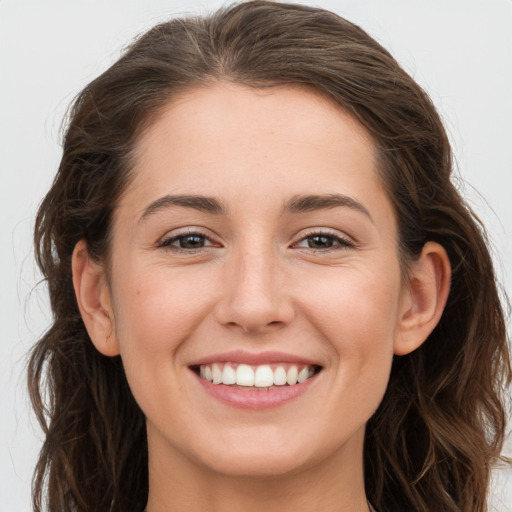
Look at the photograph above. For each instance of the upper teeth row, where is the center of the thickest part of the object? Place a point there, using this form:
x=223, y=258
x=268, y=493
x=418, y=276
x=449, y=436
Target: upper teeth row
x=260, y=377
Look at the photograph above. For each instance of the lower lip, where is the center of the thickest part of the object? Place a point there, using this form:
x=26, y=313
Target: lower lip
x=256, y=400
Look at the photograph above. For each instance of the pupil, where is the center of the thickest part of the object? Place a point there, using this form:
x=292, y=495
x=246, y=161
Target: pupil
x=320, y=241
x=192, y=242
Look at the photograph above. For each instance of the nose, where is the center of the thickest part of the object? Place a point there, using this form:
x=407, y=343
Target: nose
x=254, y=299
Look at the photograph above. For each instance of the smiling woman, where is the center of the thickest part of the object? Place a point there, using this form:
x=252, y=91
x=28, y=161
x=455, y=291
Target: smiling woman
x=267, y=293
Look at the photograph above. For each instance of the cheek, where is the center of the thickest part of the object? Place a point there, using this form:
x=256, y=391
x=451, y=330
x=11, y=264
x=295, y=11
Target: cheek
x=356, y=308
x=357, y=315
x=157, y=308
x=156, y=311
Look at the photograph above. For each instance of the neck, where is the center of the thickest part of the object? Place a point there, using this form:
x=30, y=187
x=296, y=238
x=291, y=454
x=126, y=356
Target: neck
x=333, y=484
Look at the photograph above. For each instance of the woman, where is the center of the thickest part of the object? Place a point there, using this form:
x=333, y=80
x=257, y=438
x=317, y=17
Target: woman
x=267, y=293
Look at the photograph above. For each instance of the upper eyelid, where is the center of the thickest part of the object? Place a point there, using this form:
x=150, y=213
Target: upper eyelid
x=324, y=231
x=319, y=230
x=189, y=230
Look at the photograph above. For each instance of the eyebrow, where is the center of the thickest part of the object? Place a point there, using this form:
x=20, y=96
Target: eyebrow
x=309, y=203
x=200, y=203
x=297, y=204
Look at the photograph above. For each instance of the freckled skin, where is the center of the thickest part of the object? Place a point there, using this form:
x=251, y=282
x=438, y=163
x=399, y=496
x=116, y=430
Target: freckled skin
x=255, y=285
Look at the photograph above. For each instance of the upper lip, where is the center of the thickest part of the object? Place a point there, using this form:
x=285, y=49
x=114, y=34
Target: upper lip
x=254, y=358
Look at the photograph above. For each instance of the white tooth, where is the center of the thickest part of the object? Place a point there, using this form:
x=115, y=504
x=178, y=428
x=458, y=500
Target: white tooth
x=291, y=375
x=208, y=373
x=280, y=376
x=228, y=375
x=216, y=373
x=303, y=375
x=244, y=375
x=311, y=372
x=264, y=376
x=201, y=372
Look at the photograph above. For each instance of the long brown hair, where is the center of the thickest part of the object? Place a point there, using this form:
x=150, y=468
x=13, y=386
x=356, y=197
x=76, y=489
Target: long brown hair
x=431, y=443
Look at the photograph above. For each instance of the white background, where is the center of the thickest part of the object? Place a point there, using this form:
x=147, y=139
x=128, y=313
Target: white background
x=459, y=50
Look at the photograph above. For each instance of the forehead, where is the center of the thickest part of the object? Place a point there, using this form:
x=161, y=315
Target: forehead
x=294, y=111
x=285, y=132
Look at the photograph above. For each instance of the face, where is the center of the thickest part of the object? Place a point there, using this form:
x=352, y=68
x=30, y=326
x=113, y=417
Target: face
x=256, y=242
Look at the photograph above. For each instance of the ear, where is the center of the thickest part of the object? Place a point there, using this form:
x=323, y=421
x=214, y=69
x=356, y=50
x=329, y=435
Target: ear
x=93, y=297
x=424, y=298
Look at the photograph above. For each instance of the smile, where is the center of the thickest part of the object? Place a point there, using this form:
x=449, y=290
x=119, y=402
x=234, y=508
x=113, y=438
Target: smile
x=261, y=377
x=256, y=381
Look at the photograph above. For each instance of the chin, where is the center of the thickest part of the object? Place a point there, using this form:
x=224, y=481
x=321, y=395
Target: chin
x=266, y=457
x=263, y=465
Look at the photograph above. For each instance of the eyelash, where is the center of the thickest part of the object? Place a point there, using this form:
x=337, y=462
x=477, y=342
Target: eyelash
x=340, y=242
x=167, y=242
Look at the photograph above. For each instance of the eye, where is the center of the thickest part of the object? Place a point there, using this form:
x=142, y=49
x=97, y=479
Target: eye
x=186, y=242
x=324, y=241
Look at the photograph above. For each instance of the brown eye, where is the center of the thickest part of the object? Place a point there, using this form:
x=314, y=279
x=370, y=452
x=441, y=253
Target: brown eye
x=320, y=242
x=324, y=241
x=191, y=241
x=186, y=241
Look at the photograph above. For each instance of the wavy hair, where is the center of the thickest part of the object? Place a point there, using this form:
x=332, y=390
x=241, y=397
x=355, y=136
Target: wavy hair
x=441, y=424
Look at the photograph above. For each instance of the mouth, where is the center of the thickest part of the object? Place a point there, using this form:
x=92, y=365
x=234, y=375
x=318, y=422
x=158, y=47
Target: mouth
x=262, y=377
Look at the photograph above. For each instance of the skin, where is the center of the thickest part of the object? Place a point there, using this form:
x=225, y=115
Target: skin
x=258, y=283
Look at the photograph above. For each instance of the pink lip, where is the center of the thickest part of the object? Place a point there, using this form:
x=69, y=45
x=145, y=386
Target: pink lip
x=254, y=400
x=241, y=356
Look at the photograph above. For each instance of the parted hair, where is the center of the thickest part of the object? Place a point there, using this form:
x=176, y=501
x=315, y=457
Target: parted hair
x=440, y=427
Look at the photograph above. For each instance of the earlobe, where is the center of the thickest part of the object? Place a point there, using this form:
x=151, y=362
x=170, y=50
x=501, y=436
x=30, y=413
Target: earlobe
x=425, y=298
x=93, y=298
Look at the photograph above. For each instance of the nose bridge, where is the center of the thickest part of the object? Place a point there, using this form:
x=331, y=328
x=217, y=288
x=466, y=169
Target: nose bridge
x=254, y=277
x=254, y=297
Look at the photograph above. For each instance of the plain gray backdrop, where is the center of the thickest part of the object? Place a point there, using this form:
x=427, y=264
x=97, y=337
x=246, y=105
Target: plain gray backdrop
x=460, y=51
